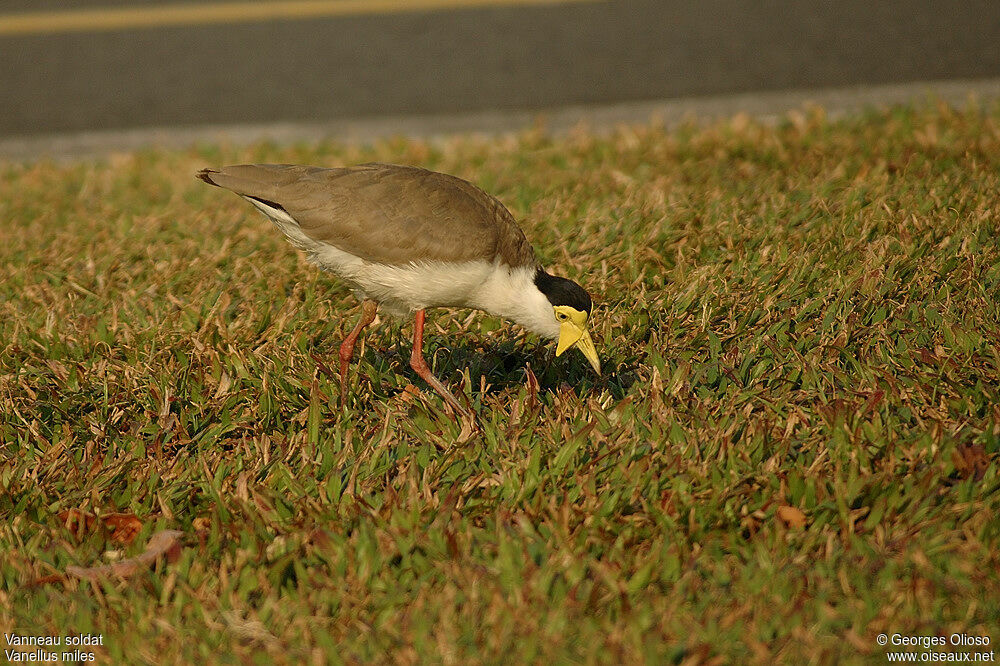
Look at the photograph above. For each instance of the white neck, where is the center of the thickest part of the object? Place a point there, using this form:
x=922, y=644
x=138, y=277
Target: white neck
x=511, y=293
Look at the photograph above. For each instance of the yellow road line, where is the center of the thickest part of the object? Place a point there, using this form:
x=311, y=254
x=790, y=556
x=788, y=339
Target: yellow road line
x=119, y=18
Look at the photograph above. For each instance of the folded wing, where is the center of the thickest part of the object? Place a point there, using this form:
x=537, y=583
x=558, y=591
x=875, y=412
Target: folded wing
x=385, y=213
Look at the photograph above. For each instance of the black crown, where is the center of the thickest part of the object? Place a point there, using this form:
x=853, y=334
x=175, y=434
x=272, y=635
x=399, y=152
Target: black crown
x=561, y=291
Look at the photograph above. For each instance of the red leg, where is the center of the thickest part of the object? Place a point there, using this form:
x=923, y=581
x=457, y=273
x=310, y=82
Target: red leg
x=418, y=363
x=368, y=310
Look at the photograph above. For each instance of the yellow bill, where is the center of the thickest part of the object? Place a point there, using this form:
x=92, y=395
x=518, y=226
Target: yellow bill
x=573, y=332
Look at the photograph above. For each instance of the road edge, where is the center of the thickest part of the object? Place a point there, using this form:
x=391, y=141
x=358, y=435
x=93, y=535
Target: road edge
x=765, y=106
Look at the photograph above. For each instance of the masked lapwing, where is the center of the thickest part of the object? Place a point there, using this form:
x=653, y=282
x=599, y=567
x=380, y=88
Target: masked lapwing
x=408, y=239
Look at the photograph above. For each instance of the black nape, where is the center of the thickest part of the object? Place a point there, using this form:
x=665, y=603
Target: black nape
x=561, y=291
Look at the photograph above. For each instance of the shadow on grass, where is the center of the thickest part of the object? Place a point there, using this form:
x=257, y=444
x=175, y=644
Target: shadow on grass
x=503, y=366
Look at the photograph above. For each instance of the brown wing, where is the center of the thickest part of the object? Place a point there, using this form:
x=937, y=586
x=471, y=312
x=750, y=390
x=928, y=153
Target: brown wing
x=386, y=213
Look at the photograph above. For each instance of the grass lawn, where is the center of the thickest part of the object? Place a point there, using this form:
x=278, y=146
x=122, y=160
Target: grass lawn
x=792, y=450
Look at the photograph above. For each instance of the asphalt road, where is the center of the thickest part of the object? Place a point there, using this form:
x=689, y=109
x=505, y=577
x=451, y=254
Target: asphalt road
x=468, y=59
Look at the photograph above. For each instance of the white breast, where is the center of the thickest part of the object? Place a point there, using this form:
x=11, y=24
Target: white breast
x=413, y=286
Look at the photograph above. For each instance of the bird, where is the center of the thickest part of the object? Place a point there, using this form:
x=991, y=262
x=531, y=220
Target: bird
x=406, y=239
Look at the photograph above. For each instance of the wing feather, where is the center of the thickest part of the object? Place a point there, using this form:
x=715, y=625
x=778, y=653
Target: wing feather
x=385, y=213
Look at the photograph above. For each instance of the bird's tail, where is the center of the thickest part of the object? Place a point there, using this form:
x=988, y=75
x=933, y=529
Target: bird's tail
x=206, y=175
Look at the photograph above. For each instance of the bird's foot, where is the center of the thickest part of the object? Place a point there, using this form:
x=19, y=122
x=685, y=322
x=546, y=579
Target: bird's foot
x=470, y=428
x=462, y=414
x=466, y=418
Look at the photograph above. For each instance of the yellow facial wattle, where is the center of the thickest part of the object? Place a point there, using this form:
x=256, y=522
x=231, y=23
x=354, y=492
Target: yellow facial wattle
x=573, y=332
